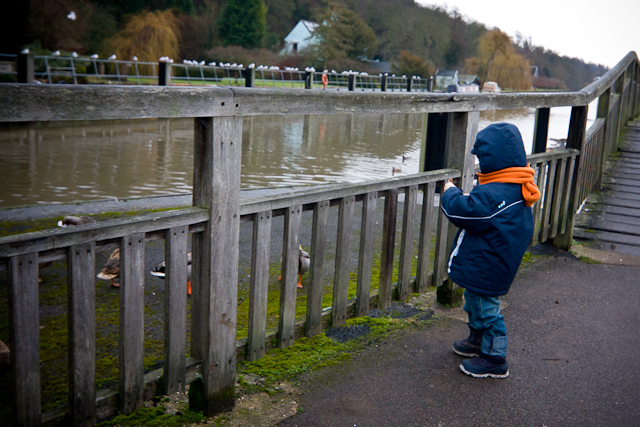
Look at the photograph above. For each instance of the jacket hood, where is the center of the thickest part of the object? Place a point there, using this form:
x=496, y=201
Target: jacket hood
x=499, y=146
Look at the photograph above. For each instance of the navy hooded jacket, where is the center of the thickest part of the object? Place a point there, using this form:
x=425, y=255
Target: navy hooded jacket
x=495, y=225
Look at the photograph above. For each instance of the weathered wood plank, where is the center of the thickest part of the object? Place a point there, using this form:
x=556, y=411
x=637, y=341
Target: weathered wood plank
x=625, y=203
x=82, y=334
x=442, y=231
x=424, y=245
x=623, y=227
x=597, y=217
x=289, y=289
x=131, y=332
x=82, y=102
x=548, y=200
x=214, y=304
x=339, y=191
x=537, y=207
x=24, y=332
x=259, y=286
x=608, y=237
x=566, y=198
x=627, y=182
x=388, y=246
x=175, y=308
x=99, y=231
x=632, y=194
x=406, y=242
x=622, y=189
x=313, y=324
x=558, y=193
x=343, y=262
x=365, y=259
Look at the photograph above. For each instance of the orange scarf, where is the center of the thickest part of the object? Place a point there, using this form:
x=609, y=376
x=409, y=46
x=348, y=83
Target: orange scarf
x=515, y=175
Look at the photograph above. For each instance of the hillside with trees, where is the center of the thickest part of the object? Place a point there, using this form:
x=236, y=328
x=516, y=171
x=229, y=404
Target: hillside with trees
x=415, y=40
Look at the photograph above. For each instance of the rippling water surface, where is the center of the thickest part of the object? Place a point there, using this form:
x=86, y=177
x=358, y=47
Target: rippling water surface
x=43, y=164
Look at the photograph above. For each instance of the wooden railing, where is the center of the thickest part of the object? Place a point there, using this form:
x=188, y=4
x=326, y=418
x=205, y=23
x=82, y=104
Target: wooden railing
x=564, y=176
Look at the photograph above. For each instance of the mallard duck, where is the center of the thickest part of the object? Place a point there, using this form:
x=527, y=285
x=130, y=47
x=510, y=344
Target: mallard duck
x=159, y=271
x=395, y=170
x=75, y=220
x=111, y=270
x=304, y=262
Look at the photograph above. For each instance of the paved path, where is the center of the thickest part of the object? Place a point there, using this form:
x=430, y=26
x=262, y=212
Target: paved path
x=573, y=355
x=611, y=218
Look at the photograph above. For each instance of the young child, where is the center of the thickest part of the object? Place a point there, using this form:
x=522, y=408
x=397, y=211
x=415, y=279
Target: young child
x=495, y=226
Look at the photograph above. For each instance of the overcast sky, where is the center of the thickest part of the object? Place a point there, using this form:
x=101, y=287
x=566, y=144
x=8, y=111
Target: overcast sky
x=602, y=32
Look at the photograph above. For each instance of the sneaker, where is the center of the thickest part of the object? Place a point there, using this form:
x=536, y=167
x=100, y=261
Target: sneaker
x=466, y=348
x=485, y=366
x=469, y=347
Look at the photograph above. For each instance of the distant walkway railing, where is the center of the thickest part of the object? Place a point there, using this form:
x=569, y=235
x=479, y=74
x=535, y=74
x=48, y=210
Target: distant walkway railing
x=451, y=124
x=54, y=69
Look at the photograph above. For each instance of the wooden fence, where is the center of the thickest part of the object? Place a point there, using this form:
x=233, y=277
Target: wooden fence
x=451, y=122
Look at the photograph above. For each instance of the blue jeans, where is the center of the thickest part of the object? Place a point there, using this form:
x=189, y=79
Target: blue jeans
x=484, y=313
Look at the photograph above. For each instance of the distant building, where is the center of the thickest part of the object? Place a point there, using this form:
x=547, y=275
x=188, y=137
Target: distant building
x=445, y=78
x=302, y=37
x=468, y=79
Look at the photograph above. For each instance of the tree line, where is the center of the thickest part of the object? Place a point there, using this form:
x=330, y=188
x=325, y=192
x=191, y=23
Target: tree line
x=417, y=40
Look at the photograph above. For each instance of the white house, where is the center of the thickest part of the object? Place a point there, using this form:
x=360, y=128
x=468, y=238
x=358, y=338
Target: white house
x=300, y=38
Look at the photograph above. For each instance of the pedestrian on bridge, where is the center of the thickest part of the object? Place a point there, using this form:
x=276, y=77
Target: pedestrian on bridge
x=495, y=226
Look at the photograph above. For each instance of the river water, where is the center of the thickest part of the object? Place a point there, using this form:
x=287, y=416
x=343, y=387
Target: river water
x=44, y=164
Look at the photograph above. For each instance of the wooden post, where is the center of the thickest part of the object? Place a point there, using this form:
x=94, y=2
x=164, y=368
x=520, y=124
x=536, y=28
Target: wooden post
x=25, y=68
x=636, y=104
x=424, y=247
x=541, y=130
x=343, y=261
x=352, y=82
x=619, y=90
x=388, y=246
x=24, y=332
x=308, y=79
x=384, y=80
x=313, y=324
x=82, y=334
x=365, y=259
x=214, y=302
x=164, y=74
x=258, y=293
x=409, y=83
x=575, y=139
x=288, y=289
x=131, y=386
x=603, y=113
x=249, y=77
x=463, y=131
x=406, y=242
x=175, y=308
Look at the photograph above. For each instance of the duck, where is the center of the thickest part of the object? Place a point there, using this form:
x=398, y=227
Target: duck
x=404, y=158
x=70, y=220
x=304, y=262
x=159, y=271
x=395, y=171
x=111, y=270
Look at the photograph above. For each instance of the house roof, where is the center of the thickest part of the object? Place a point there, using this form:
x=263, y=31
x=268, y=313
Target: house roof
x=468, y=78
x=311, y=26
x=446, y=73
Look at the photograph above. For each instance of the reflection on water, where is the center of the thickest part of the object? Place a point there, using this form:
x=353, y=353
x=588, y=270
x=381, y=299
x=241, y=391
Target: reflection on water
x=99, y=160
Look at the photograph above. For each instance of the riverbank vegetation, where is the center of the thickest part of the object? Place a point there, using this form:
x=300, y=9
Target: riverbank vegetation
x=362, y=35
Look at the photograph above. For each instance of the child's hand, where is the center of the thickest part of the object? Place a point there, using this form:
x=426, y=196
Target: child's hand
x=449, y=184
